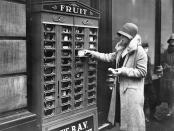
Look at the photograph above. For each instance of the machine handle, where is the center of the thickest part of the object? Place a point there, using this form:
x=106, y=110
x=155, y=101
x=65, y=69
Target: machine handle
x=60, y=19
x=86, y=22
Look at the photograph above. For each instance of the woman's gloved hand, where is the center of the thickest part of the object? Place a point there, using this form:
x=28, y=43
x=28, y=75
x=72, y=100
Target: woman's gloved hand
x=115, y=72
x=88, y=53
x=84, y=53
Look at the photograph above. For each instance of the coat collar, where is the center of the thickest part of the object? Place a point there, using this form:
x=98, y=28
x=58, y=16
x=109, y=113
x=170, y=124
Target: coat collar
x=133, y=45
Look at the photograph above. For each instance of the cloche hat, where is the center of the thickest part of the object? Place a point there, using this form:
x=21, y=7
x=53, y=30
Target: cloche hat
x=171, y=38
x=129, y=30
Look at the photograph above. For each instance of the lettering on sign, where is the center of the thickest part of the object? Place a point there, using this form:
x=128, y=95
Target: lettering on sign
x=81, y=125
x=71, y=8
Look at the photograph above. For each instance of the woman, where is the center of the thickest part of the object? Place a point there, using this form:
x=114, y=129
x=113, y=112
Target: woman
x=127, y=100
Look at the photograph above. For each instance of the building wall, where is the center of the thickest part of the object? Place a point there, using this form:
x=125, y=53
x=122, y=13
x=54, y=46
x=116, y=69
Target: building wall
x=140, y=12
x=87, y=2
x=166, y=22
x=13, y=88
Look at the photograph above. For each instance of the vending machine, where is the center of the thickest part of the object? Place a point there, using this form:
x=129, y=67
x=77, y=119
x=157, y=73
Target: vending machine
x=64, y=84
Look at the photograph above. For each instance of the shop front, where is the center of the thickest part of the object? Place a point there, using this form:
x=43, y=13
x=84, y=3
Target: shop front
x=44, y=84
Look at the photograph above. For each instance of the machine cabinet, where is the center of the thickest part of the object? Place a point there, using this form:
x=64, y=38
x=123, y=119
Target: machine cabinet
x=63, y=83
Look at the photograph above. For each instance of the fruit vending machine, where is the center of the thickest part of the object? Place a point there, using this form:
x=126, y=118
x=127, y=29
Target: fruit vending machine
x=64, y=84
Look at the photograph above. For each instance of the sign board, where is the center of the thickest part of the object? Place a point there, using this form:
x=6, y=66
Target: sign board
x=72, y=8
x=85, y=124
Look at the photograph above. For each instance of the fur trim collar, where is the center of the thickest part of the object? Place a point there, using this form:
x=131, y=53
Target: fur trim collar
x=133, y=45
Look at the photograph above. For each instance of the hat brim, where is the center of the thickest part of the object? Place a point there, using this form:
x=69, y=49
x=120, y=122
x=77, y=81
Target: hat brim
x=124, y=34
x=168, y=41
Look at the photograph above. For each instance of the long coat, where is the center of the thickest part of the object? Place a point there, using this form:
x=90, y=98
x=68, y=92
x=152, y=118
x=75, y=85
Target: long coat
x=167, y=81
x=131, y=87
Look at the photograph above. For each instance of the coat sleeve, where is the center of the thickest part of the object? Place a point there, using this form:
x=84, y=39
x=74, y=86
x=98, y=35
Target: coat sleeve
x=106, y=57
x=140, y=70
x=163, y=59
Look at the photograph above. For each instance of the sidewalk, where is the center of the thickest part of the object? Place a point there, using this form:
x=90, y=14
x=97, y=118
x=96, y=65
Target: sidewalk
x=154, y=125
x=159, y=123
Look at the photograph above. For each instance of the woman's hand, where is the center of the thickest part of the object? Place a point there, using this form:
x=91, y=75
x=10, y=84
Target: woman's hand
x=83, y=53
x=115, y=72
x=88, y=52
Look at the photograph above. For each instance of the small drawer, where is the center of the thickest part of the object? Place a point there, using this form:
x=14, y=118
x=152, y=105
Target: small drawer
x=57, y=19
x=65, y=100
x=66, y=61
x=49, y=96
x=84, y=22
x=66, y=84
x=92, y=86
x=66, y=53
x=49, y=112
x=78, y=89
x=78, y=97
x=78, y=82
x=49, y=27
x=66, y=93
x=78, y=104
x=91, y=101
x=66, y=76
x=66, y=108
x=49, y=87
x=49, y=71
x=49, y=104
x=49, y=45
x=49, y=78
